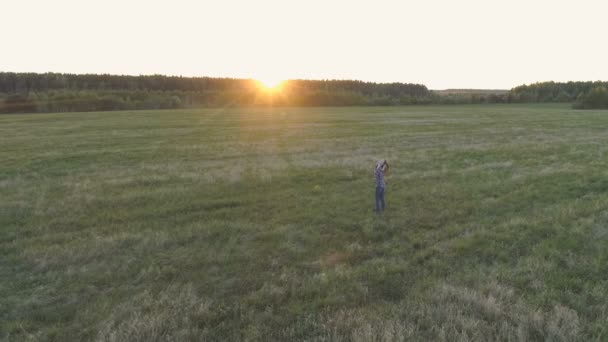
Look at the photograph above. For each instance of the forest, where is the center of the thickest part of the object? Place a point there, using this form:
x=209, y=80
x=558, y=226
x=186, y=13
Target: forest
x=57, y=92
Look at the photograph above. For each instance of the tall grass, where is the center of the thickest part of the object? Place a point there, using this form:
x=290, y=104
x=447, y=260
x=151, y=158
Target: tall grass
x=257, y=224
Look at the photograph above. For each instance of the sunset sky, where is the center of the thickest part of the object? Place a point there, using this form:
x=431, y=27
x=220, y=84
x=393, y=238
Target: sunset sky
x=442, y=44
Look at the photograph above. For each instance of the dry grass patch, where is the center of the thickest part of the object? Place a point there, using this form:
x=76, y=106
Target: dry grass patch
x=174, y=314
x=456, y=313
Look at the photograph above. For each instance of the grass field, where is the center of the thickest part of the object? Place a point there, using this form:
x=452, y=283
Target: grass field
x=209, y=225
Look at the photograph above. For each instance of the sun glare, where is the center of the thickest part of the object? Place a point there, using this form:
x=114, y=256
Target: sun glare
x=271, y=83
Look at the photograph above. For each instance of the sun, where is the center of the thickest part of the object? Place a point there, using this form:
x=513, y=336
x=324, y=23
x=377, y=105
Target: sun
x=270, y=83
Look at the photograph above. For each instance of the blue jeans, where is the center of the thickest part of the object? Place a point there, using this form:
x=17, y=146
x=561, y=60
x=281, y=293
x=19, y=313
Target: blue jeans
x=379, y=198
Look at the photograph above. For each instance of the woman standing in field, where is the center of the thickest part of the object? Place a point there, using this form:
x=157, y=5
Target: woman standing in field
x=379, y=173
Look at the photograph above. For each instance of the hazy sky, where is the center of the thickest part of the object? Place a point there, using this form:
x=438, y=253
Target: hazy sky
x=442, y=44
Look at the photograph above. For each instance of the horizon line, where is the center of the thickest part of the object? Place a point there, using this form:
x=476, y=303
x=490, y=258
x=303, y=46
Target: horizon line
x=291, y=79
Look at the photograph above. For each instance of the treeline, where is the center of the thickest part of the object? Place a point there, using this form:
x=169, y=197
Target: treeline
x=596, y=98
x=19, y=83
x=53, y=92
x=554, y=91
x=583, y=95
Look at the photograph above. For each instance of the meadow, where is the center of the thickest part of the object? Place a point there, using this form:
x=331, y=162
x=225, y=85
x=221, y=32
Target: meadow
x=256, y=224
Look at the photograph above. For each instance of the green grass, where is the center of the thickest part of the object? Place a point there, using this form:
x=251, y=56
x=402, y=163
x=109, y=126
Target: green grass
x=206, y=225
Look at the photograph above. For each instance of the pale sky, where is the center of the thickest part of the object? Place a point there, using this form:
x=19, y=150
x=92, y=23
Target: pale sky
x=439, y=43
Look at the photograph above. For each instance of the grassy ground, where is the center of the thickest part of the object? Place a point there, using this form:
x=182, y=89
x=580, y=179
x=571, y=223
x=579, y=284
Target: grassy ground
x=209, y=225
